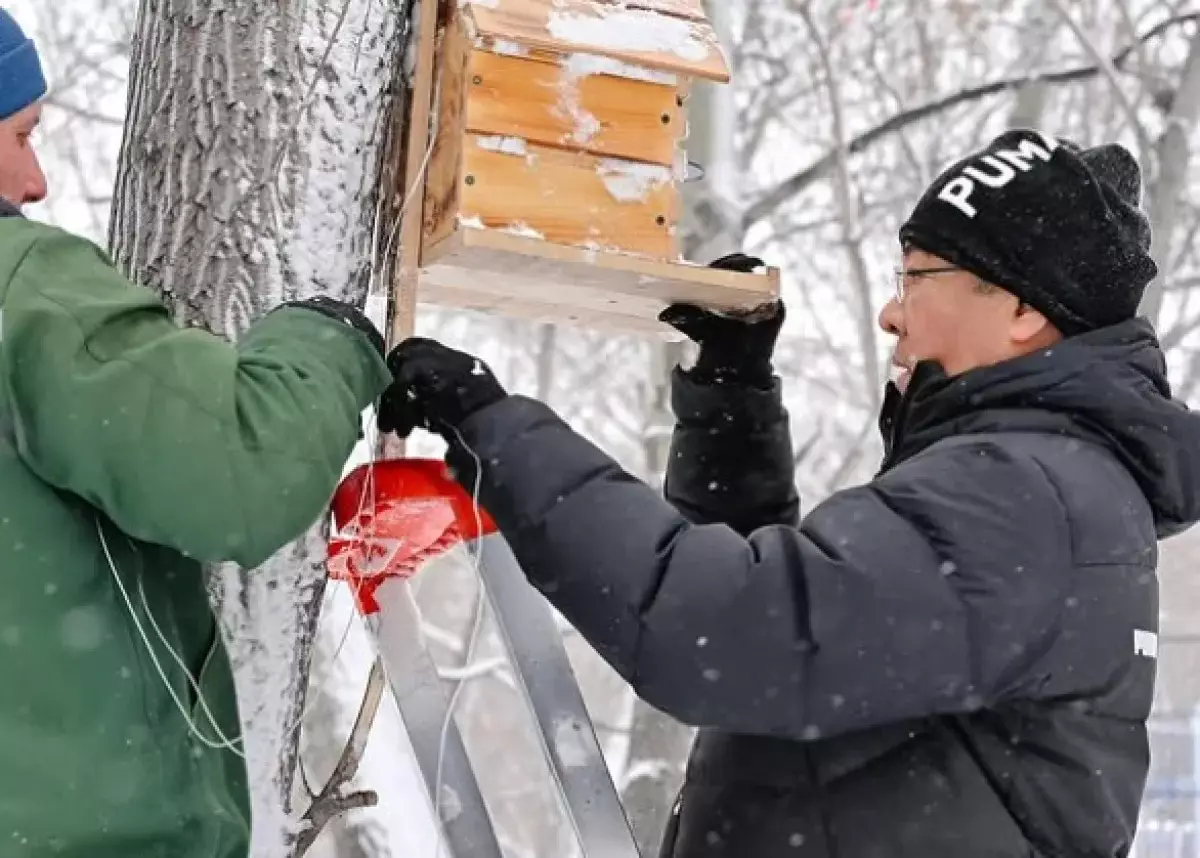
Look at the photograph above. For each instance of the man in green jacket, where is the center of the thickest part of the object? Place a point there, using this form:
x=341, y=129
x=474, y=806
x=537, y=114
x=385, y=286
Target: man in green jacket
x=131, y=452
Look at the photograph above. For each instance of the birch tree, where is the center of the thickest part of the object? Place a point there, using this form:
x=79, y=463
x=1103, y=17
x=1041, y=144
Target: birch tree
x=255, y=169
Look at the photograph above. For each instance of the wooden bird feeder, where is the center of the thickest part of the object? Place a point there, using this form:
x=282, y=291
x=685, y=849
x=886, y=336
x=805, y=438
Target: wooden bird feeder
x=552, y=189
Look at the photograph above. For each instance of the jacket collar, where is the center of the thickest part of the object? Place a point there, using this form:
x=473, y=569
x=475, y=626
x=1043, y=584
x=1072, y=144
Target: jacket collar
x=1107, y=386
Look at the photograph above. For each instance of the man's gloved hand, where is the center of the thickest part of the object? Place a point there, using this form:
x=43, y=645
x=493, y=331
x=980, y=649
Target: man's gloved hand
x=342, y=312
x=435, y=388
x=735, y=347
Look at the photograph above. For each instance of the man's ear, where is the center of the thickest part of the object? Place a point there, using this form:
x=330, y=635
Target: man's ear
x=1030, y=328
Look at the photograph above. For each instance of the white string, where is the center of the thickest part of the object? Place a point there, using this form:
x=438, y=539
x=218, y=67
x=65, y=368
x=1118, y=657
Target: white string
x=186, y=672
x=373, y=288
x=225, y=742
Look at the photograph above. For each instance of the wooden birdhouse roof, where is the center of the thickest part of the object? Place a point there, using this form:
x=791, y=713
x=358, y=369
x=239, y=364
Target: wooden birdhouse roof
x=672, y=36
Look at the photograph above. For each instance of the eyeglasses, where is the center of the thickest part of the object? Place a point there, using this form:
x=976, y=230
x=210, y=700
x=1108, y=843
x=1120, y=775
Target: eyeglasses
x=904, y=276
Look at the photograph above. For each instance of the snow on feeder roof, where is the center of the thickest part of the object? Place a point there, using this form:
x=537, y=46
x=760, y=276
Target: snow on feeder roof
x=669, y=35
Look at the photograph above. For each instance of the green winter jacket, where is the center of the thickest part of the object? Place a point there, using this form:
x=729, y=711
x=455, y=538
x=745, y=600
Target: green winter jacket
x=180, y=449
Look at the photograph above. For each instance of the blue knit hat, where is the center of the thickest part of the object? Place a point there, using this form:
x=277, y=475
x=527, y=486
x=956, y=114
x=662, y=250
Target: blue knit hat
x=21, y=79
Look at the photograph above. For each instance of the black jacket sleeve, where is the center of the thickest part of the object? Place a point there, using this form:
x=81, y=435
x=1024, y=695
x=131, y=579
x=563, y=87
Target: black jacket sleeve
x=731, y=458
x=855, y=619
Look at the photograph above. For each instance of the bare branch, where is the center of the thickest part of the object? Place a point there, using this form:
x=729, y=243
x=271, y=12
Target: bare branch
x=798, y=182
x=321, y=815
x=1172, y=160
x=852, y=236
x=331, y=802
x=83, y=112
x=1109, y=71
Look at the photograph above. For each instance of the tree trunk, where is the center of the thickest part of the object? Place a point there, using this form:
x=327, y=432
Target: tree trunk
x=255, y=146
x=1172, y=157
x=1037, y=31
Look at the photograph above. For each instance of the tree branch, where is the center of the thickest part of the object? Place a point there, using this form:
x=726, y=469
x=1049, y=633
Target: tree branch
x=795, y=184
x=1109, y=71
x=83, y=112
x=332, y=802
x=852, y=236
x=1173, y=156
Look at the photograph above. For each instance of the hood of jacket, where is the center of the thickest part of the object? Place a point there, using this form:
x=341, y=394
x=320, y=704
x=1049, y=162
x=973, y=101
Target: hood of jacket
x=1107, y=386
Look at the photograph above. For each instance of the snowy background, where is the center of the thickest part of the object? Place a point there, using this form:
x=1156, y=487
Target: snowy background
x=840, y=113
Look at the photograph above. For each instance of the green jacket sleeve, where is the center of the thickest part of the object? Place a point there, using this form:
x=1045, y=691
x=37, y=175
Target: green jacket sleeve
x=222, y=452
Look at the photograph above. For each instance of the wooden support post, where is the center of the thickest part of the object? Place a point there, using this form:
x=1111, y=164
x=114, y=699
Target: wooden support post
x=404, y=292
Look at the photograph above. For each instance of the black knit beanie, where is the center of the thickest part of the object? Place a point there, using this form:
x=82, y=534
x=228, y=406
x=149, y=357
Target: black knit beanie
x=1057, y=226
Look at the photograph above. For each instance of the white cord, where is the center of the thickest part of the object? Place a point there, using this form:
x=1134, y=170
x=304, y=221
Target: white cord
x=186, y=672
x=225, y=743
x=373, y=288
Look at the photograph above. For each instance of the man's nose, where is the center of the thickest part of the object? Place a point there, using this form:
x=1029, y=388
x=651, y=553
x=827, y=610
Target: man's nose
x=891, y=318
x=36, y=187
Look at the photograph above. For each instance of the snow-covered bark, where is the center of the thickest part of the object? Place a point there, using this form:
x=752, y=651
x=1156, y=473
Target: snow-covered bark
x=256, y=139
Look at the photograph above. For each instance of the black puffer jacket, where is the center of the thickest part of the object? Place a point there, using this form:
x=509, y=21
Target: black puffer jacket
x=954, y=660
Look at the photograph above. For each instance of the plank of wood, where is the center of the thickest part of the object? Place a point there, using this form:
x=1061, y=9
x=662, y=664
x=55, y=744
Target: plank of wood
x=641, y=37
x=444, y=175
x=404, y=286
x=404, y=295
x=570, y=198
x=554, y=105
x=438, y=295
x=498, y=287
x=487, y=270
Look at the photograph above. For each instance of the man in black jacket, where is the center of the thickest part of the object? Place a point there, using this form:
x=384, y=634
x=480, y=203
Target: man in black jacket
x=956, y=659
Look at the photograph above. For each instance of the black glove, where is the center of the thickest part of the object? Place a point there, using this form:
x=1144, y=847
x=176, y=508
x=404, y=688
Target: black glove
x=735, y=346
x=435, y=388
x=342, y=312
